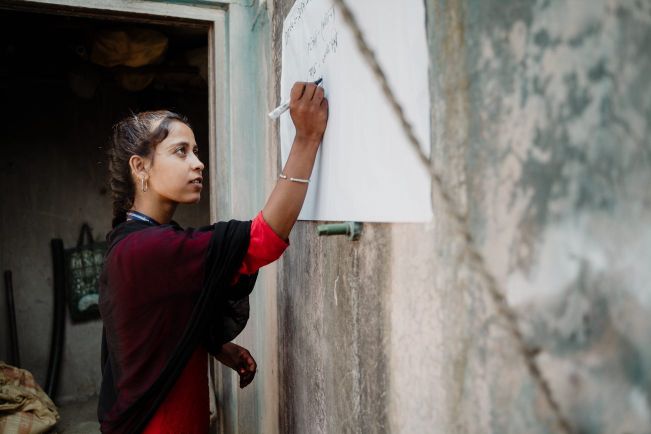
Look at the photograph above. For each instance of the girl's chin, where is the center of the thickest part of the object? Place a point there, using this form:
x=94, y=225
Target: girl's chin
x=191, y=200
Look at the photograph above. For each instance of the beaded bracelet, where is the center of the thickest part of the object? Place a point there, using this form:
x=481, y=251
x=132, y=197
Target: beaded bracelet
x=302, y=181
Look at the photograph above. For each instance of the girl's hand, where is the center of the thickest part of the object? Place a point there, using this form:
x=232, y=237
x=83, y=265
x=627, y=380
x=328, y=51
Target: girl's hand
x=240, y=360
x=309, y=111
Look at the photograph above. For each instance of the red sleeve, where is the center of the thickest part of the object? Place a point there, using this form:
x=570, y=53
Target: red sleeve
x=264, y=248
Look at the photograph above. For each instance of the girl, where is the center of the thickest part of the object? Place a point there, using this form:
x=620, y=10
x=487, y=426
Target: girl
x=168, y=295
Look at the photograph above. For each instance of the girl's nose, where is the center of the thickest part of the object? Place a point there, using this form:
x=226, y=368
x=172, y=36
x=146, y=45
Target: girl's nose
x=197, y=164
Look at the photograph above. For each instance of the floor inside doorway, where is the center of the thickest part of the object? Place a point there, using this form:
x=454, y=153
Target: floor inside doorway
x=78, y=417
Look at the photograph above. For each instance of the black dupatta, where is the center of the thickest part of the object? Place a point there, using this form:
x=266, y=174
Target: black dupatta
x=219, y=314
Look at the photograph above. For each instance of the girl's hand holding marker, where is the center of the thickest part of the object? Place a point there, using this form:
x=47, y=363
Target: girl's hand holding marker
x=282, y=108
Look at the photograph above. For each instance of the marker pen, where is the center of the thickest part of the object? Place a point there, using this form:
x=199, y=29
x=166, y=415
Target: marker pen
x=282, y=108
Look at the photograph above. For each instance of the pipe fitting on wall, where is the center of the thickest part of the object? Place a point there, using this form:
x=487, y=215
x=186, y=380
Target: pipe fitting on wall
x=352, y=229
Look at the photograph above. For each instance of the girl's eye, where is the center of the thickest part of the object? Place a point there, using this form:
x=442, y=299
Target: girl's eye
x=181, y=149
x=196, y=151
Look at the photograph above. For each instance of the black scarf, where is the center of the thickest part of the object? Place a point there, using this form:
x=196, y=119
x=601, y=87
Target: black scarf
x=220, y=313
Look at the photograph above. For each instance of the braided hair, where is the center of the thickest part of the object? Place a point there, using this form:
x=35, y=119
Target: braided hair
x=137, y=134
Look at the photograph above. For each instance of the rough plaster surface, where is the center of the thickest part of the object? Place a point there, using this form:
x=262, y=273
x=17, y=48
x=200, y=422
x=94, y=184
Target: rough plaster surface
x=540, y=127
x=332, y=323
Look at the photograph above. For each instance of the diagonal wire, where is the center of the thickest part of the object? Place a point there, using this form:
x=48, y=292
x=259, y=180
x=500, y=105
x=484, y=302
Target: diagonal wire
x=470, y=247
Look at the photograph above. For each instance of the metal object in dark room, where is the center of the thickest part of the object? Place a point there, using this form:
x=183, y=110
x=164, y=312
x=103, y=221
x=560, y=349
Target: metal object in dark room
x=59, y=318
x=14, y=355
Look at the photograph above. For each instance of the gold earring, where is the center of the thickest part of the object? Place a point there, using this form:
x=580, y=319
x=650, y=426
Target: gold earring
x=144, y=185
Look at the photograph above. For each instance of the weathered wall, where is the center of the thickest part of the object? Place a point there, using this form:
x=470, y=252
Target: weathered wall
x=54, y=176
x=540, y=128
x=333, y=321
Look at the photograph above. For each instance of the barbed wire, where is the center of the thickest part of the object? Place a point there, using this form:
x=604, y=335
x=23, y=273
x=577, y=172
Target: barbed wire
x=460, y=219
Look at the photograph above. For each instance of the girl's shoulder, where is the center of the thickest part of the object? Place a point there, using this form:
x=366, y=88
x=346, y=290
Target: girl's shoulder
x=136, y=238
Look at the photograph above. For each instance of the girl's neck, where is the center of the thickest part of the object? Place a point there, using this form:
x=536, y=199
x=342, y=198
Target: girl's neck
x=162, y=212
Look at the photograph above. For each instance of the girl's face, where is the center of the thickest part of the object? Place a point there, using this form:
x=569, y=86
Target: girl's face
x=176, y=166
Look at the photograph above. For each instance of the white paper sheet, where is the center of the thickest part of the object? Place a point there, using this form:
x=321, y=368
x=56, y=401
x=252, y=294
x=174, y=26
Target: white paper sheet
x=365, y=169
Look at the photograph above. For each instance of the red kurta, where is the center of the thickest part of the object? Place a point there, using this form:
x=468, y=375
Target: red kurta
x=186, y=410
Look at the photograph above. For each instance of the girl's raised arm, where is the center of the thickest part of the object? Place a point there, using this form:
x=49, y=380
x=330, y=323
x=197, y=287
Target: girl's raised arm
x=309, y=112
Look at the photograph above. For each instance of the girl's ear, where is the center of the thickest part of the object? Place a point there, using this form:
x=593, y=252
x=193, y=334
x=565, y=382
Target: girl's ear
x=139, y=166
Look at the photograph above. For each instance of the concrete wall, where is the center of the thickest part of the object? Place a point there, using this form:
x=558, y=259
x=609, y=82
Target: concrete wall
x=540, y=128
x=53, y=173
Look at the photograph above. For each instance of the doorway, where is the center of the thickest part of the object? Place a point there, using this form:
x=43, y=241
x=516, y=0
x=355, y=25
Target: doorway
x=59, y=102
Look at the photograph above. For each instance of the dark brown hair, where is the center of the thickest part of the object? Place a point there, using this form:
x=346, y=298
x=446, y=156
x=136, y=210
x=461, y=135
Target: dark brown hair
x=137, y=134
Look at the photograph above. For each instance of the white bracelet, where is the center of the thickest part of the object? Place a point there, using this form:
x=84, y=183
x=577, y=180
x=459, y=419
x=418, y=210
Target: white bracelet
x=302, y=181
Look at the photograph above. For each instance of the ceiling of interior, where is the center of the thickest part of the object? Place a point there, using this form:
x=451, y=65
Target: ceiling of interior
x=58, y=50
